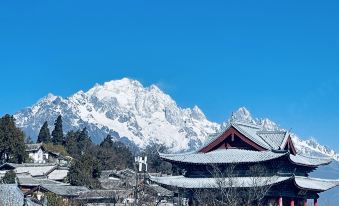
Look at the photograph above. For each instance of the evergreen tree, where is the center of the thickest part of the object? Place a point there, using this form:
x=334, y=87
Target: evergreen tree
x=114, y=155
x=9, y=177
x=57, y=133
x=85, y=172
x=12, y=141
x=155, y=163
x=77, y=143
x=44, y=134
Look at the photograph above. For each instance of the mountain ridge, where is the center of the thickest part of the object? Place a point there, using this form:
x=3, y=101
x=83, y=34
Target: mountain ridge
x=139, y=116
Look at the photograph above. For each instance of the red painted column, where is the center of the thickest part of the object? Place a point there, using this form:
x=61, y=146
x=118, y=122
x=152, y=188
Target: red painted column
x=315, y=202
x=292, y=202
x=280, y=201
x=305, y=202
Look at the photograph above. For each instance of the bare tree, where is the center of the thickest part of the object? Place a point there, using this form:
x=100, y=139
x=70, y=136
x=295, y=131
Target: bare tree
x=229, y=188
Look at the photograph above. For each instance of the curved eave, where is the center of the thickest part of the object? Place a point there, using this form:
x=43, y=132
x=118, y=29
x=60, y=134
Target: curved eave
x=314, y=184
x=307, y=161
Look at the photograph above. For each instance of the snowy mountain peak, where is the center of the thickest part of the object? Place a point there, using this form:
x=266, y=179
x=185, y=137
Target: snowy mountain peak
x=138, y=116
x=243, y=115
x=133, y=113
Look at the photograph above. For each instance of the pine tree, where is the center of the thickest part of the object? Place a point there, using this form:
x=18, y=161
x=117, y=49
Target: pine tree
x=114, y=155
x=57, y=133
x=44, y=134
x=85, y=172
x=12, y=141
x=9, y=177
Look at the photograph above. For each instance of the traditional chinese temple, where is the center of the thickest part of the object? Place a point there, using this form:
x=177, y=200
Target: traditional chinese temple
x=245, y=145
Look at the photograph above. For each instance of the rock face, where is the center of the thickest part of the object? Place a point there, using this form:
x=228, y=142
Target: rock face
x=138, y=116
x=124, y=108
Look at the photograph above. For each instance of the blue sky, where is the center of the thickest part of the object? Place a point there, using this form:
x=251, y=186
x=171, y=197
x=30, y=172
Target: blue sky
x=280, y=59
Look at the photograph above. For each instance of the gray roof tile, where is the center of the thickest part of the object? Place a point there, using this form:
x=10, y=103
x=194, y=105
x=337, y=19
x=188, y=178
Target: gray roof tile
x=223, y=156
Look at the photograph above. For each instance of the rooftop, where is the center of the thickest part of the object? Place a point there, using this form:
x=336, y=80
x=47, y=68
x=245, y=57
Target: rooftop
x=33, y=147
x=194, y=183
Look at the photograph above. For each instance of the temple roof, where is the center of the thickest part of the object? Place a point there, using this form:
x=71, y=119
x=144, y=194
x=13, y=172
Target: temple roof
x=268, y=145
x=309, y=161
x=224, y=156
x=266, y=139
x=194, y=183
x=243, y=182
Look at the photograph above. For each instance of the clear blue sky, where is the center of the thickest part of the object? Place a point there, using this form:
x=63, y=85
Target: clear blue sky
x=280, y=59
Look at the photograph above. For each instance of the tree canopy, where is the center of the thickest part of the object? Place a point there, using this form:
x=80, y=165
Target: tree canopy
x=44, y=134
x=114, y=155
x=84, y=172
x=12, y=141
x=57, y=133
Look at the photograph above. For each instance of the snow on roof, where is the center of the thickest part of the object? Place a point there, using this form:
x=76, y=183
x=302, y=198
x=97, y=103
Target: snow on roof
x=11, y=195
x=33, y=147
x=194, y=183
x=223, y=156
x=263, y=138
x=98, y=194
x=315, y=183
x=274, y=138
x=64, y=190
x=160, y=191
x=58, y=174
x=309, y=161
x=251, y=132
x=30, y=181
x=35, y=169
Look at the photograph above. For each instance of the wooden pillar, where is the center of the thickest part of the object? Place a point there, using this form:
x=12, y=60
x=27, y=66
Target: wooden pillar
x=315, y=202
x=305, y=202
x=292, y=202
x=280, y=201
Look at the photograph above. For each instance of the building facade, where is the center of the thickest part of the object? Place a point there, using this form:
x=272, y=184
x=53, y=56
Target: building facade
x=243, y=146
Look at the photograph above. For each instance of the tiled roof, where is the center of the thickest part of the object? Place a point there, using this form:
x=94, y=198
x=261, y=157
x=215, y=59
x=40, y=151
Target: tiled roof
x=35, y=169
x=251, y=132
x=309, y=161
x=33, y=147
x=194, y=183
x=160, y=191
x=30, y=181
x=223, y=156
x=58, y=174
x=274, y=138
x=64, y=190
x=266, y=139
x=315, y=183
x=97, y=194
x=10, y=195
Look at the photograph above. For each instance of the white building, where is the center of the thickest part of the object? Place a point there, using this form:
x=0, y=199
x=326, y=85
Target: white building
x=37, y=153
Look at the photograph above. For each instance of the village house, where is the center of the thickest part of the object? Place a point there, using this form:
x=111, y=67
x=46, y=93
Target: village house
x=38, y=154
x=242, y=146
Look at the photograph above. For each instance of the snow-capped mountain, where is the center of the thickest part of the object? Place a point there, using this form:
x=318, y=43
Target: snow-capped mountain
x=139, y=115
x=126, y=109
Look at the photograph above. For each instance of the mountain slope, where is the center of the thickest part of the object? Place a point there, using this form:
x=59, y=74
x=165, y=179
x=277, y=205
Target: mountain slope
x=130, y=112
x=138, y=116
